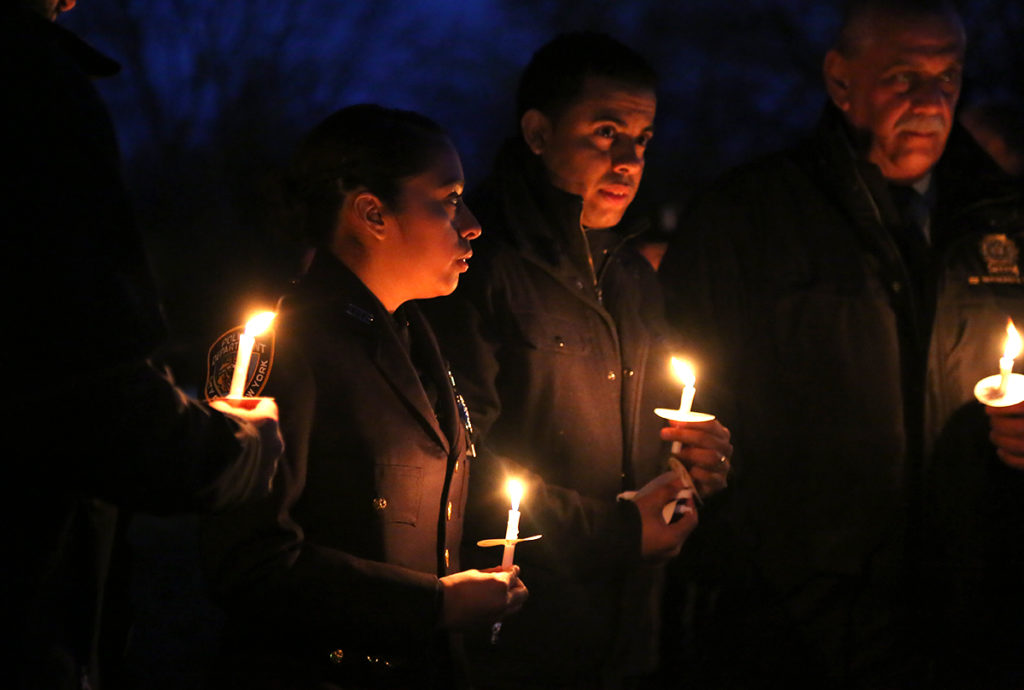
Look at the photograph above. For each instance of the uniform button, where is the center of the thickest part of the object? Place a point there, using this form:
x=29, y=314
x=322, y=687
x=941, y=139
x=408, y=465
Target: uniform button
x=627, y=372
x=560, y=341
x=447, y=560
x=897, y=286
x=336, y=656
x=380, y=503
x=449, y=510
x=611, y=375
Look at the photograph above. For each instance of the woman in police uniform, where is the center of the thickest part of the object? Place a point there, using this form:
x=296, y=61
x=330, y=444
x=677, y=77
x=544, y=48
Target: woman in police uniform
x=347, y=576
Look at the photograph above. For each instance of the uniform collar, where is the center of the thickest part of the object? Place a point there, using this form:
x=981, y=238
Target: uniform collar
x=344, y=300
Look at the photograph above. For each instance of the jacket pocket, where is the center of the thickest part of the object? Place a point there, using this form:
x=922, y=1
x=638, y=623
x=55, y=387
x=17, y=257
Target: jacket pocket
x=398, y=493
x=552, y=334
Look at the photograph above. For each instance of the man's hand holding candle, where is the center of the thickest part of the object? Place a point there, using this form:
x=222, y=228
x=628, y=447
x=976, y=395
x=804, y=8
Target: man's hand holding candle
x=659, y=540
x=1008, y=433
x=478, y=598
x=705, y=451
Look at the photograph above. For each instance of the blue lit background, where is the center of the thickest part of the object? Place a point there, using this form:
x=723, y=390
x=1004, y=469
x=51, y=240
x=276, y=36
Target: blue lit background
x=214, y=95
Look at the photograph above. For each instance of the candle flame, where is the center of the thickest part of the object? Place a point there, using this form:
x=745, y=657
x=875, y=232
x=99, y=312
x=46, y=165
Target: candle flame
x=515, y=492
x=1013, y=341
x=683, y=371
x=259, y=323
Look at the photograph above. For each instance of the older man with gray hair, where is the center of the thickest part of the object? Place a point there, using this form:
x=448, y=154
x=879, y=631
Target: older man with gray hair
x=849, y=293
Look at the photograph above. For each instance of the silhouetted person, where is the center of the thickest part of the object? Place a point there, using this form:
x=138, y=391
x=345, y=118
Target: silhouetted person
x=92, y=424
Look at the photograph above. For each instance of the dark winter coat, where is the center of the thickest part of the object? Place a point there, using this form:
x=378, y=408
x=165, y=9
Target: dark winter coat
x=851, y=404
x=334, y=578
x=562, y=368
x=91, y=425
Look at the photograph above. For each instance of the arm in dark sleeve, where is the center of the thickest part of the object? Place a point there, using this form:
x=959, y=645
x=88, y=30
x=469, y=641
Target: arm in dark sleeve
x=145, y=445
x=264, y=569
x=576, y=529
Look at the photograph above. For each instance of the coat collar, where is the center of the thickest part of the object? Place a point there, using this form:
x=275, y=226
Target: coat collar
x=518, y=205
x=519, y=202
x=343, y=299
x=964, y=178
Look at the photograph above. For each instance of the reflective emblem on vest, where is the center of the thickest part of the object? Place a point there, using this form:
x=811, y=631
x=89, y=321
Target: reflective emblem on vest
x=1000, y=254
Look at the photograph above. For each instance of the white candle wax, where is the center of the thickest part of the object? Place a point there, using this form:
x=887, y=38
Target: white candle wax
x=684, y=372
x=515, y=493
x=246, y=343
x=686, y=402
x=511, y=534
x=1005, y=369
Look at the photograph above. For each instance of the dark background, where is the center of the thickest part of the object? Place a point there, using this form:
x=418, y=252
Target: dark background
x=214, y=95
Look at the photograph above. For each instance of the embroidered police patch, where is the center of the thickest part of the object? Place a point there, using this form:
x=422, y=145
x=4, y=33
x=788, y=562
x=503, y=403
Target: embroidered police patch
x=1000, y=254
x=220, y=364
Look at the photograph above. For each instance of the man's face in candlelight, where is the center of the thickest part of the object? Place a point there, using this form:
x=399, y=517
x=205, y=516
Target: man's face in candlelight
x=896, y=77
x=595, y=146
x=430, y=248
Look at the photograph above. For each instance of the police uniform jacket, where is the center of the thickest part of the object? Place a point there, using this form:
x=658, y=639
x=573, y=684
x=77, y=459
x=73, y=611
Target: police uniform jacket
x=563, y=366
x=334, y=578
x=849, y=352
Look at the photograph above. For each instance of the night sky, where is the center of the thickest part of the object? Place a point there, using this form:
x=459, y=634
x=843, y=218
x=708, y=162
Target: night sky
x=213, y=97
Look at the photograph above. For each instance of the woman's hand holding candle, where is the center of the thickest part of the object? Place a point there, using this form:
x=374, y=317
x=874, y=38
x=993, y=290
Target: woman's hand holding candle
x=478, y=598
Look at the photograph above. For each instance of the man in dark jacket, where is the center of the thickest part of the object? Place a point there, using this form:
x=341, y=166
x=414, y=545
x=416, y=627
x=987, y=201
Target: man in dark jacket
x=849, y=293
x=558, y=339
x=93, y=425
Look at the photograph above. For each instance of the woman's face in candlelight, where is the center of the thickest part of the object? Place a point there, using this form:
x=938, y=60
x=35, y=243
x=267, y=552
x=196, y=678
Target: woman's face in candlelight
x=430, y=247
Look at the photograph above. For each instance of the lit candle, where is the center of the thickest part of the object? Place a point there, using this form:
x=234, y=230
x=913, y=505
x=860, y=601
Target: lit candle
x=515, y=492
x=1005, y=388
x=246, y=341
x=1010, y=352
x=684, y=372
